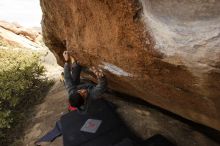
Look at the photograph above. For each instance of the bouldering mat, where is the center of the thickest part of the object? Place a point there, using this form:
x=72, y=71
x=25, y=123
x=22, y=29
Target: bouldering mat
x=99, y=126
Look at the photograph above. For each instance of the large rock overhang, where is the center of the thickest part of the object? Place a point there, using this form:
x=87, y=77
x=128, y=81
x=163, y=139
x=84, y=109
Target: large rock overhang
x=165, y=52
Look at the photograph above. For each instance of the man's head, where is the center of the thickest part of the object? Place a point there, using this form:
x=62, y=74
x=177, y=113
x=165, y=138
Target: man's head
x=78, y=98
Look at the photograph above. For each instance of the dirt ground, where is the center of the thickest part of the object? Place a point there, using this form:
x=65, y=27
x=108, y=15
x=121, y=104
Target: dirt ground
x=144, y=121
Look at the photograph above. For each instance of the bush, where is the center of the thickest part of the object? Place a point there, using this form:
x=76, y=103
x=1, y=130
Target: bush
x=22, y=84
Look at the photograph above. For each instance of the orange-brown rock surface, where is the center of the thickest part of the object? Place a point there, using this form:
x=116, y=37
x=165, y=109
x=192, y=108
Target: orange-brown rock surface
x=165, y=52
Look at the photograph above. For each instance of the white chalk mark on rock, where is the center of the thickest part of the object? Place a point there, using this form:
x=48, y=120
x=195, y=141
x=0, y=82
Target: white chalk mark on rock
x=115, y=70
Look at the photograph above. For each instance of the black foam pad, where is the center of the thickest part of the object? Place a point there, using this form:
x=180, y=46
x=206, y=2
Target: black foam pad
x=110, y=132
x=157, y=140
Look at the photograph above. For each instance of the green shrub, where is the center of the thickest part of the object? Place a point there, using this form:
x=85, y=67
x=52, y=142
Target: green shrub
x=22, y=84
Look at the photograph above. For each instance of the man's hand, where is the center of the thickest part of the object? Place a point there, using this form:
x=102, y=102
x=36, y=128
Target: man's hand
x=66, y=56
x=98, y=72
x=72, y=59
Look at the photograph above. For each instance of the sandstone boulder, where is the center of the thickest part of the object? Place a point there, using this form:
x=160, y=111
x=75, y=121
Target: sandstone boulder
x=19, y=37
x=165, y=52
x=30, y=34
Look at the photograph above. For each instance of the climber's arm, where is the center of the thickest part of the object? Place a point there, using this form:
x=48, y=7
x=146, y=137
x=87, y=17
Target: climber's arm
x=101, y=86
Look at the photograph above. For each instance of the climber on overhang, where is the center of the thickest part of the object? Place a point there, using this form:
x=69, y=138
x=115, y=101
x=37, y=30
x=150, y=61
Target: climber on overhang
x=81, y=93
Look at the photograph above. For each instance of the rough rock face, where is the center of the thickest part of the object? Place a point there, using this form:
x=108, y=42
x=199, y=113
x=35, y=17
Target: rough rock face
x=165, y=52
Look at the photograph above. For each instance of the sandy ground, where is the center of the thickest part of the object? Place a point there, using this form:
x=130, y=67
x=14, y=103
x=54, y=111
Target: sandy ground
x=45, y=116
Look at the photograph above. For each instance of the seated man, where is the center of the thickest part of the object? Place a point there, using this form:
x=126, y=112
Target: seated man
x=79, y=94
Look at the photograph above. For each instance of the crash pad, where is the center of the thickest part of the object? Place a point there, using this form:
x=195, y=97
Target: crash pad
x=99, y=126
